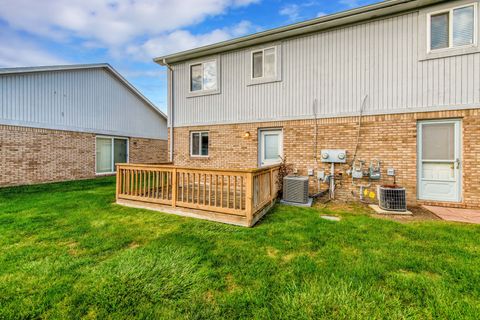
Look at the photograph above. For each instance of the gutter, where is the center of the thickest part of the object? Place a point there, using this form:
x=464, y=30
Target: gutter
x=369, y=12
x=170, y=106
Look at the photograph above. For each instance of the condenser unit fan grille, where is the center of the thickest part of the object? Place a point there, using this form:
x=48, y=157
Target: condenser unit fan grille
x=392, y=198
x=295, y=189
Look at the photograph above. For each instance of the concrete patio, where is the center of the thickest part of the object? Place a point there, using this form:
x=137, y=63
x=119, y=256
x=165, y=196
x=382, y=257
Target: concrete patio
x=455, y=214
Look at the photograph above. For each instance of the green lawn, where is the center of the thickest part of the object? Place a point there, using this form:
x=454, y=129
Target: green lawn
x=66, y=251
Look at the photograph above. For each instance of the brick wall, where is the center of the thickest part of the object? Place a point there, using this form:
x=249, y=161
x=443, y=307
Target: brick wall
x=31, y=155
x=390, y=138
x=148, y=150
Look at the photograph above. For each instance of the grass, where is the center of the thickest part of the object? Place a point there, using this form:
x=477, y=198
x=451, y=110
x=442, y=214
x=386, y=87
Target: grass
x=66, y=251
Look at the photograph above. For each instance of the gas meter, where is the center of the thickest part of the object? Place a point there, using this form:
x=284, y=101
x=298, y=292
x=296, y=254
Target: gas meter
x=357, y=169
x=374, y=170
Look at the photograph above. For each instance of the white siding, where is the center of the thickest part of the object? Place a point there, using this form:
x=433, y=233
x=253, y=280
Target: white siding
x=337, y=67
x=88, y=100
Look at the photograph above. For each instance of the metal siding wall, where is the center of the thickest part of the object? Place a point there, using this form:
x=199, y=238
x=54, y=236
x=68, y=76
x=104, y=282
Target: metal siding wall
x=337, y=67
x=91, y=100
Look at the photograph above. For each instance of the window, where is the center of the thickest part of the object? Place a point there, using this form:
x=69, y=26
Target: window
x=203, y=76
x=264, y=63
x=453, y=28
x=270, y=146
x=109, y=151
x=199, y=144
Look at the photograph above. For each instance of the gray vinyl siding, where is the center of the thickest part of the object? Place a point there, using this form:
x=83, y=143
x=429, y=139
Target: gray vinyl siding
x=86, y=100
x=337, y=67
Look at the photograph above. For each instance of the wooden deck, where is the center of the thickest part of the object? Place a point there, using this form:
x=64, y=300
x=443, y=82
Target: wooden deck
x=238, y=197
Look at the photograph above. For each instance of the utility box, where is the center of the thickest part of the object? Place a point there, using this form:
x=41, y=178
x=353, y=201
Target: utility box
x=334, y=155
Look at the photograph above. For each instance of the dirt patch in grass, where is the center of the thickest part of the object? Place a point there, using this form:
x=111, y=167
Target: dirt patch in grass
x=230, y=282
x=418, y=213
x=209, y=297
x=73, y=248
x=341, y=206
x=289, y=257
x=133, y=245
x=272, y=252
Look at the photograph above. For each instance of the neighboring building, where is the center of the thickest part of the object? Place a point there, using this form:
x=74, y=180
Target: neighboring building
x=295, y=90
x=74, y=122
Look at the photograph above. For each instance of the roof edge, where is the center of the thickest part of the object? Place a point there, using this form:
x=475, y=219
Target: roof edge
x=107, y=66
x=53, y=68
x=325, y=22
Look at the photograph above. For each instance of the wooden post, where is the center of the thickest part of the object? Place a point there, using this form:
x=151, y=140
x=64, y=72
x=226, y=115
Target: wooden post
x=118, y=182
x=249, y=198
x=174, y=187
x=271, y=186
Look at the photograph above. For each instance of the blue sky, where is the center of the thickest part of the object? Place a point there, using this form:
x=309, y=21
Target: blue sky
x=129, y=34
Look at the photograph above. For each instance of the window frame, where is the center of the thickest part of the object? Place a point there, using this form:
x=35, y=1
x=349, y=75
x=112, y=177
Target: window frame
x=203, y=91
x=201, y=132
x=450, y=28
x=112, y=138
x=262, y=50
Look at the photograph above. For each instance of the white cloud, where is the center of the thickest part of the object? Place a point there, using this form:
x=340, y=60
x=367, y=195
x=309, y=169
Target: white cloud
x=142, y=28
x=16, y=52
x=109, y=22
x=242, y=29
x=292, y=11
x=321, y=14
x=182, y=40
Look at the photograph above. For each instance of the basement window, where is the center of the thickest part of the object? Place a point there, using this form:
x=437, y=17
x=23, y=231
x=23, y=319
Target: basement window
x=199, y=144
x=203, y=76
x=452, y=28
x=109, y=151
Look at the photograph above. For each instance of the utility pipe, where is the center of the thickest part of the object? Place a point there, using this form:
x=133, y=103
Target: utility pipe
x=362, y=106
x=332, y=180
x=170, y=105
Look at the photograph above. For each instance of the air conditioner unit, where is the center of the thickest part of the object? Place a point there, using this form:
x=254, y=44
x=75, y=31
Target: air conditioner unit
x=392, y=198
x=295, y=189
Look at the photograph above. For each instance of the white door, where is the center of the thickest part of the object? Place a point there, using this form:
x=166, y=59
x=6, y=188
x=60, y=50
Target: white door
x=270, y=147
x=439, y=160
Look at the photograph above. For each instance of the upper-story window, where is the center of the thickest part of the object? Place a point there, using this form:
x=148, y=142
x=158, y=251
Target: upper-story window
x=453, y=28
x=203, y=76
x=264, y=63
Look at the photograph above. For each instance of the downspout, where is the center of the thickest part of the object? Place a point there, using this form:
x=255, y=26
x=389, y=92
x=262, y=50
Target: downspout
x=170, y=105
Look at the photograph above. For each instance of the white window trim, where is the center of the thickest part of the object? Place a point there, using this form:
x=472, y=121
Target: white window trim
x=200, y=146
x=203, y=91
x=278, y=65
x=113, y=154
x=450, y=28
x=263, y=63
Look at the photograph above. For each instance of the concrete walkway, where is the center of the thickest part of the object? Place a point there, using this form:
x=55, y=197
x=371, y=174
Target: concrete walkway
x=455, y=214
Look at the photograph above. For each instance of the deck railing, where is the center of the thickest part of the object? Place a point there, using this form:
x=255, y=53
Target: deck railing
x=243, y=193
